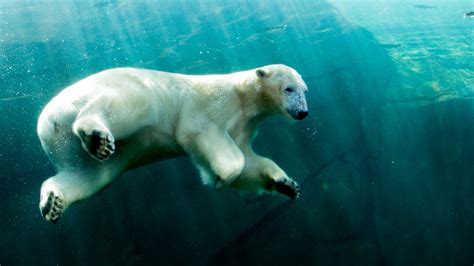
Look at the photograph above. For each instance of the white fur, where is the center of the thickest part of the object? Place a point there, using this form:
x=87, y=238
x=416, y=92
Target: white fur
x=156, y=115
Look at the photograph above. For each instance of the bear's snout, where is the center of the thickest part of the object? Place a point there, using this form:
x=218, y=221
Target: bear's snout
x=298, y=115
x=302, y=115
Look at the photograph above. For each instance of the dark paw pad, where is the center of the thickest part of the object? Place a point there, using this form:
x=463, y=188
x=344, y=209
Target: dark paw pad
x=52, y=207
x=288, y=187
x=99, y=144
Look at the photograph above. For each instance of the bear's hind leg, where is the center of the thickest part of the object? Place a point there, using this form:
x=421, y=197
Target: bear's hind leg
x=95, y=137
x=51, y=203
x=65, y=188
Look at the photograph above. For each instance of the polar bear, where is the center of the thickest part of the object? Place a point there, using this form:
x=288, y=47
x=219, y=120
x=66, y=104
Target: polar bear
x=119, y=119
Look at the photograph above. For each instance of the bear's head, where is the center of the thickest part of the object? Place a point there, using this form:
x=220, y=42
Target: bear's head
x=283, y=90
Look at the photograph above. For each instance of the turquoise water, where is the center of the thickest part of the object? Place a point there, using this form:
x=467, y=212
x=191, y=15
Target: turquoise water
x=434, y=46
x=385, y=160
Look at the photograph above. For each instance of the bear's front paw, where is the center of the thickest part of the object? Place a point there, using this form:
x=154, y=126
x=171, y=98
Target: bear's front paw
x=98, y=144
x=288, y=187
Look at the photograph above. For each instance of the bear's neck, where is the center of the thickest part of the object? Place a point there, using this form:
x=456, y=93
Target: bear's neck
x=253, y=101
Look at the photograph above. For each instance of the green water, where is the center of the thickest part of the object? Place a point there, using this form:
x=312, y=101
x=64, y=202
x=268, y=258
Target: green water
x=385, y=160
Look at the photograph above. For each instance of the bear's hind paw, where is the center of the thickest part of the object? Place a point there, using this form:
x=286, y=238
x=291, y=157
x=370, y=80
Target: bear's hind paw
x=99, y=144
x=288, y=187
x=51, y=206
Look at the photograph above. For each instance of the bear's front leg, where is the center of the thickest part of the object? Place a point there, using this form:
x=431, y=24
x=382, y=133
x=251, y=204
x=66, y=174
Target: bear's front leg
x=262, y=174
x=214, y=150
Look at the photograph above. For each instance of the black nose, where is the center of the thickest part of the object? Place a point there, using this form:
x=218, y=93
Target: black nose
x=302, y=115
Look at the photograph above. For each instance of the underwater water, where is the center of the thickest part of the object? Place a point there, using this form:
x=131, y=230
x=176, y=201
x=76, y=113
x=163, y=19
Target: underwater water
x=385, y=160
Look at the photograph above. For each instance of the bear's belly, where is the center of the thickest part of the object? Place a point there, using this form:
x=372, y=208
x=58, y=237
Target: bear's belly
x=148, y=146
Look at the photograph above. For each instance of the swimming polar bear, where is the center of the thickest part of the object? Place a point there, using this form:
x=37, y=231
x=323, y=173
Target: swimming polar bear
x=123, y=118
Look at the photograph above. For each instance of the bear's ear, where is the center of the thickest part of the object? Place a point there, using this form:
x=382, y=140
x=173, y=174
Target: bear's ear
x=261, y=73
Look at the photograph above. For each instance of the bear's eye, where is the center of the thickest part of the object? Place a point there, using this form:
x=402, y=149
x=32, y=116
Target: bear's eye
x=289, y=89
